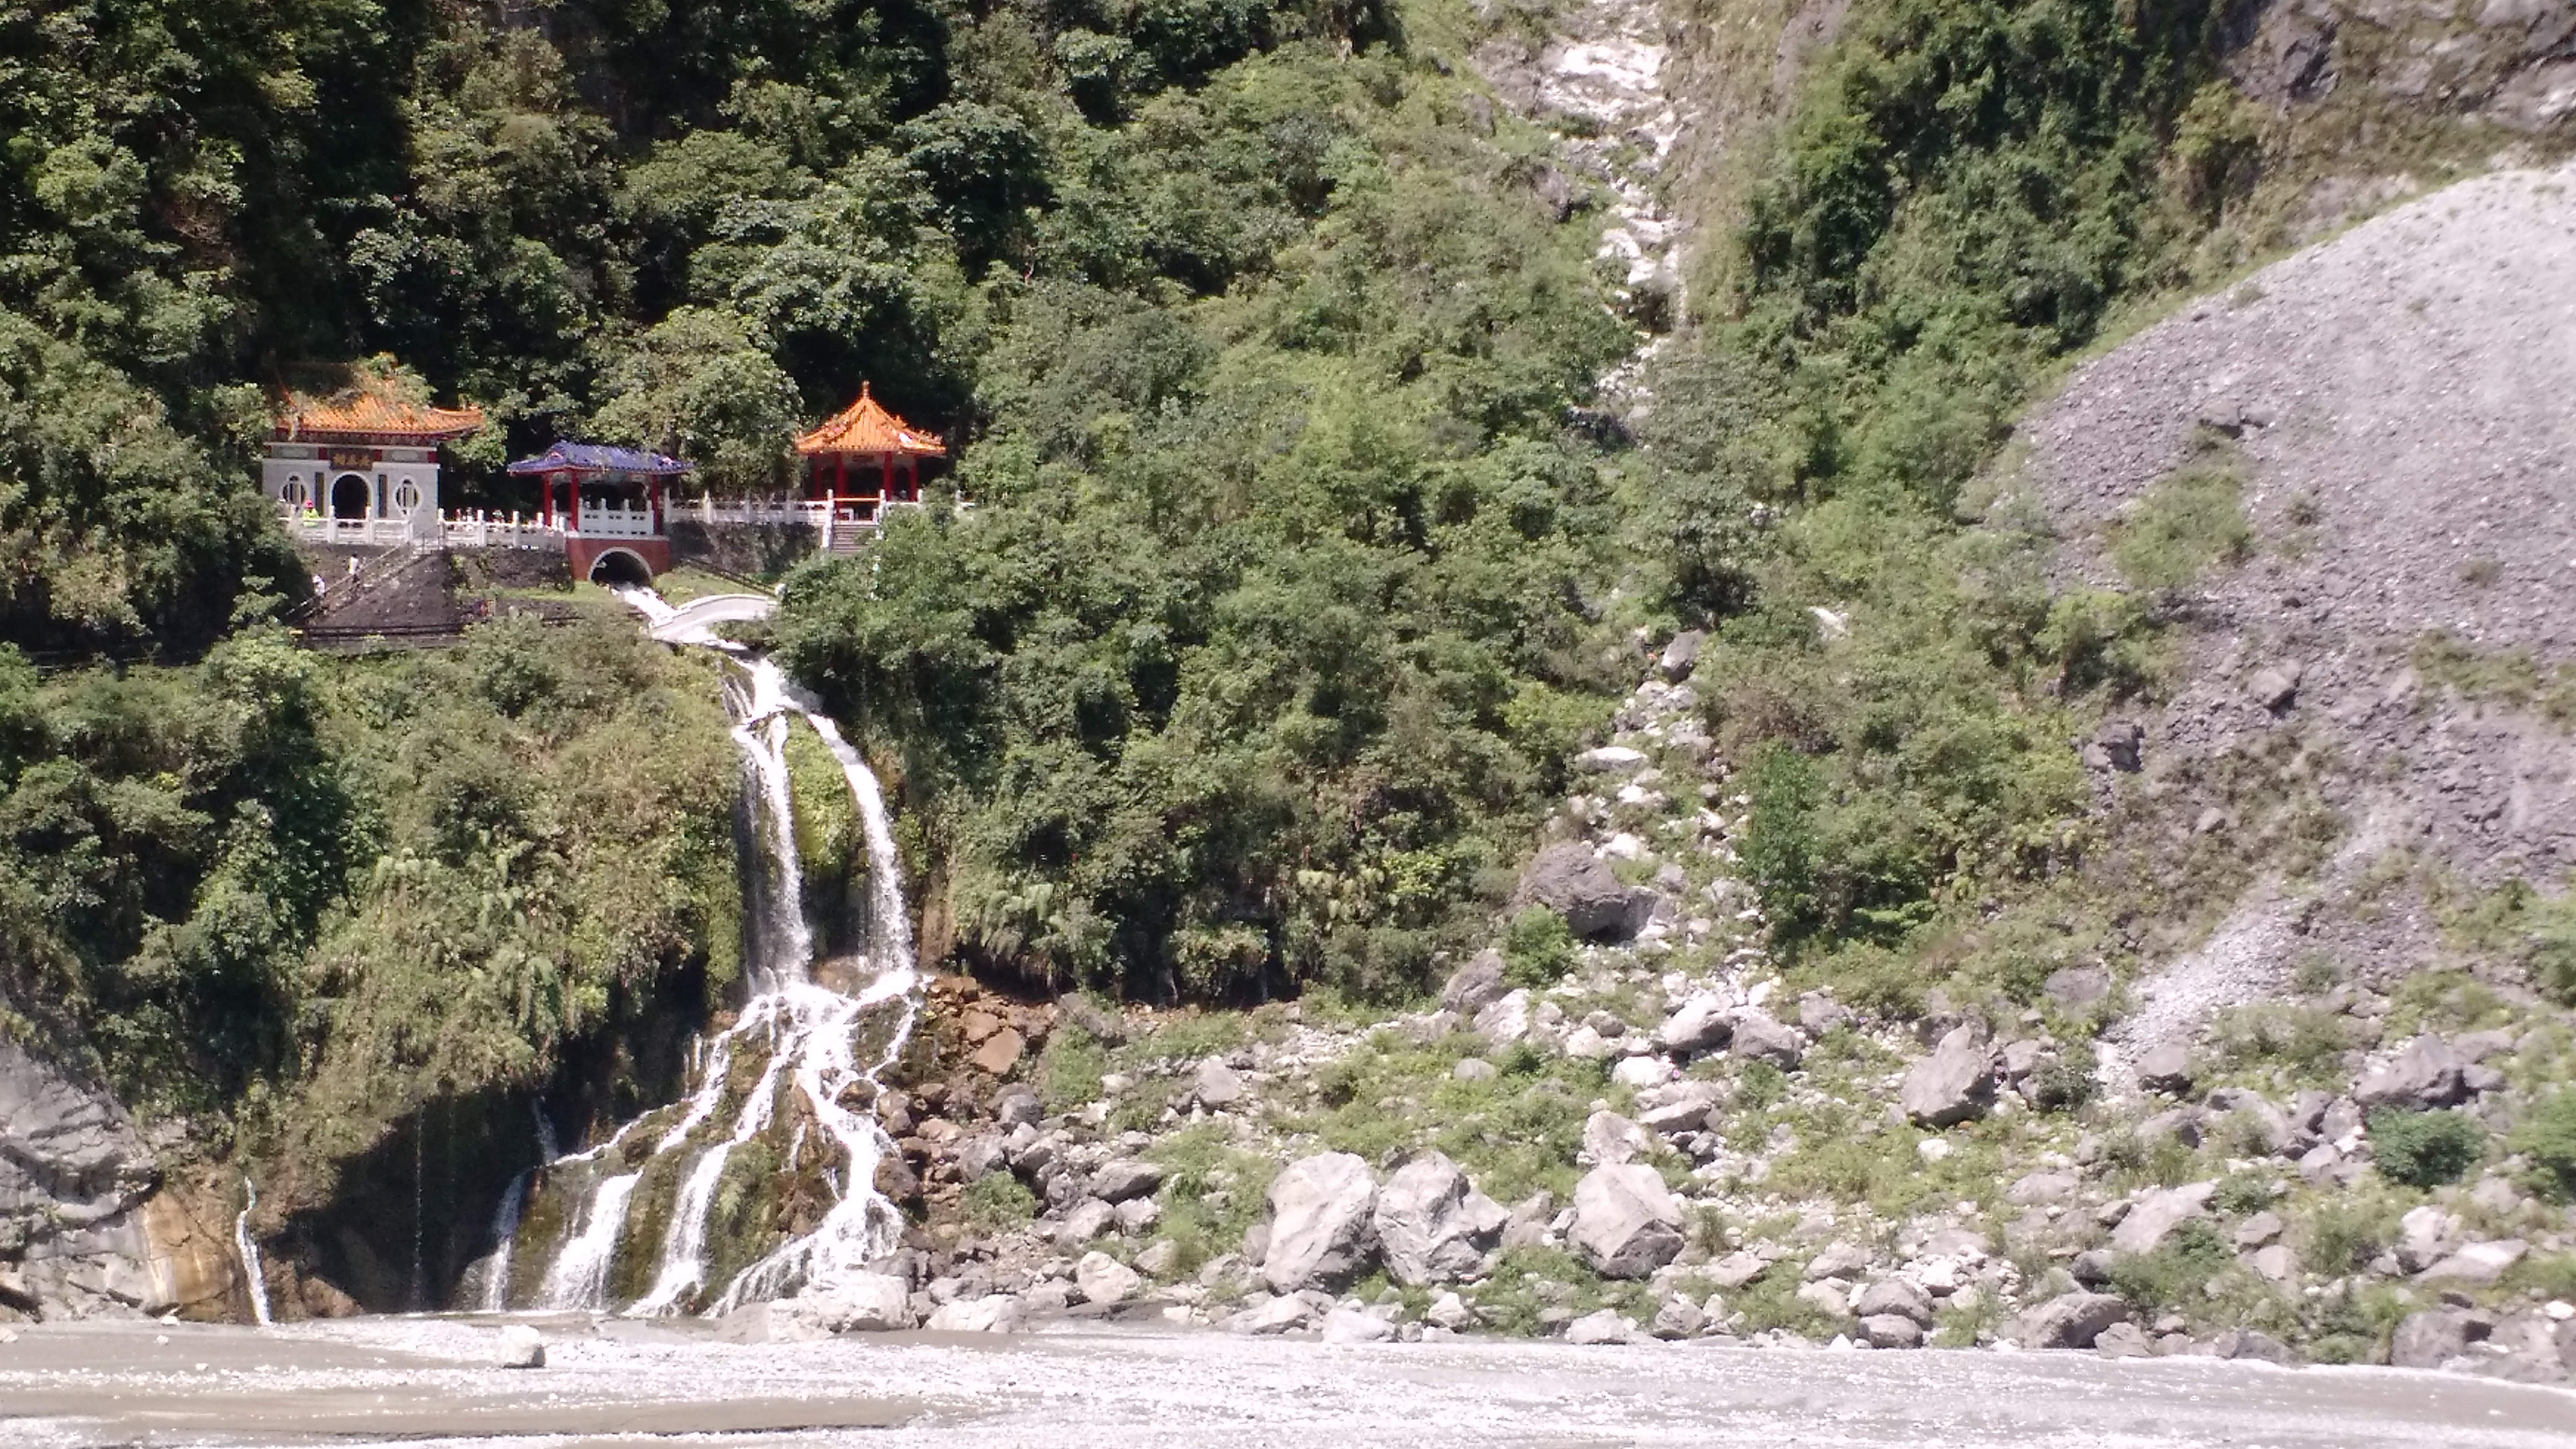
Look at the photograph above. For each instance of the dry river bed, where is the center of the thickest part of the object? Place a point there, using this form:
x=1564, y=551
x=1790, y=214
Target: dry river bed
x=426, y=1382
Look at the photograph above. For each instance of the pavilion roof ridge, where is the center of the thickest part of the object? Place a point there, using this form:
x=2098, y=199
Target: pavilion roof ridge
x=866, y=426
x=369, y=410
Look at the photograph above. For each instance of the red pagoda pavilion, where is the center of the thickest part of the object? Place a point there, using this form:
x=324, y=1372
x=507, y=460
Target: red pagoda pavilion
x=862, y=460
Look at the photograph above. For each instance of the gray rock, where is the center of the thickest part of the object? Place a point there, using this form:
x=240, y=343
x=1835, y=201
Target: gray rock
x=1475, y=1069
x=1018, y=1107
x=74, y=1176
x=1348, y=1325
x=1124, y=1178
x=858, y=1303
x=1105, y=1280
x=2092, y=1268
x=2268, y=1124
x=992, y=1313
x=2042, y=1187
x=2156, y=1213
x=1432, y=1225
x=2428, y=1340
x=1681, y=655
x=1677, y=1108
x=1896, y=1296
x=1158, y=1258
x=1954, y=1084
x=1838, y=1260
x=977, y=1156
x=2077, y=987
x=1104, y=1025
x=2119, y=744
x=2275, y=1263
x=2166, y=1069
x=1569, y=880
x=1605, y=1326
x=2182, y=1124
x=1320, y=1233
x=1610, y=1139
x=1088, y=1220
x=1506, y=1019
x=1527, y=1226
x=2424, y=1236
x=1890, y=1330
x=1758, y=1038
x=1679, y=1318
x=2071, y=1320
x=1137, y=1214
x=2259, y=1230
x=2427, y=1073
x=2477, y=1264
x=1216, y=1087
x=1735, y=1270
x=2476, y=1046
x=1449, y=1311
x=519, y=1347
x=1701, y=1024
x=2123, y=1340
x=2275, y=687
x=1271, y=1316
x=1819, y=1013
x=1476, y=985
x=1626, y=1223
x=2246, y=1343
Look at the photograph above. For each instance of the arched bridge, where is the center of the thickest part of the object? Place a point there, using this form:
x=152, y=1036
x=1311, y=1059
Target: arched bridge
x=694, y=622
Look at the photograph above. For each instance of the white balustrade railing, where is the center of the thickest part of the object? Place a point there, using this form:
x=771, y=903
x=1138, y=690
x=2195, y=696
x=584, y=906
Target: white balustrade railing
x=478, y=529
x=305, y=526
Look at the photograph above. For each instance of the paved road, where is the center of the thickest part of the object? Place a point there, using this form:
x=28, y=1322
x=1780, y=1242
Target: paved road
x=418, y=1381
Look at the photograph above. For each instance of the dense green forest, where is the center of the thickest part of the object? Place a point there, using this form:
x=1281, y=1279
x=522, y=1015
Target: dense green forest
x=1301, y=556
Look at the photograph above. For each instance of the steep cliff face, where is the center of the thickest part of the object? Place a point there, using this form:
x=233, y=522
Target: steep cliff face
x=87, y=1226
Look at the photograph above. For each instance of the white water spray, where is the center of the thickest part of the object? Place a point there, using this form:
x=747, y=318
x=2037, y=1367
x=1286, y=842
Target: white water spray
x=579, y=1276
x=248, y=1247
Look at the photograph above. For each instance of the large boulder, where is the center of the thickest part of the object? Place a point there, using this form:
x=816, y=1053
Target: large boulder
x=1476, y=985
x=1571, y=881
x=1432, y=1225
x=1955, y=1084
x=2072, y=1320
x=1626, y=1222
x=1124, y=1178
x=1702, y=1024
x=1759, y=1038
x=1320, y=1227
x=1217, y=1086
x=2427, y=1073
x=2153, y=1215
x=858, y=1303
x=2166, y=1069
x=1506, y=1018
x=1105, y=1280
x=2429, y=1340
x=993, y=1313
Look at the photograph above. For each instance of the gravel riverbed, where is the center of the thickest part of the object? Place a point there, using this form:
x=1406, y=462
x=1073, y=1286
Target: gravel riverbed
x=430, y=1381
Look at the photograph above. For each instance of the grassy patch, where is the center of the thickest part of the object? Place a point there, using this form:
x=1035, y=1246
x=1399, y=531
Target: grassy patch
x=997, y=1200
x=2189, y=522
x=2509, y=677
x=2425, y=1149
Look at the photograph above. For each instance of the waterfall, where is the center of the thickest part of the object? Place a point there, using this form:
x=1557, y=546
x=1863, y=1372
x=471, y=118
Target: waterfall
x=579, y=1277
x=495, y=1267
x=245, y=1245
x=804, y=1034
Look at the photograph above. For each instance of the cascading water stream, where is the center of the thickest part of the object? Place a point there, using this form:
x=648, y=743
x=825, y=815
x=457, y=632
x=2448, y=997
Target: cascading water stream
x=248, y=1247
x=805, y=1033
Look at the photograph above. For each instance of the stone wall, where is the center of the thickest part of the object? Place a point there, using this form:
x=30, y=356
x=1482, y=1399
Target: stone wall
x=753, y=550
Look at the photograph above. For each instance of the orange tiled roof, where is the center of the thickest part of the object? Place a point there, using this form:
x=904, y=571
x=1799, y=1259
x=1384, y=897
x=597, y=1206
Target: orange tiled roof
x=367, y=411
x=866, y=427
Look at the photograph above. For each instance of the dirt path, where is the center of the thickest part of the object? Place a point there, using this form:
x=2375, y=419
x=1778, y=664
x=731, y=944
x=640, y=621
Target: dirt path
x=375, y=1381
